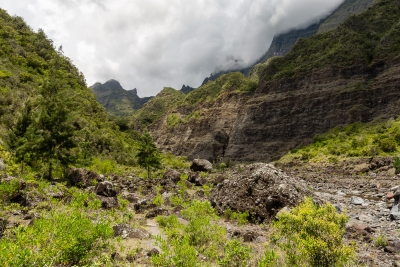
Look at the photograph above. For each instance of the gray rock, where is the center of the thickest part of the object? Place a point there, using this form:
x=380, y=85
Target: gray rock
x=172, y=175
x=108, y=202
x=339, y=208
x=196, y=179
x=81, y=177
x=2, y=165
x=105, y=189
x=356, y=200
x=201, y=165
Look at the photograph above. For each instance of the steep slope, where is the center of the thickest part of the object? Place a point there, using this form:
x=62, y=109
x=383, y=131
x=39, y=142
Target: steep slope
x=346, y=75
x=282, y=43
x=167, y=99
x=31, y=70
x=116, y=100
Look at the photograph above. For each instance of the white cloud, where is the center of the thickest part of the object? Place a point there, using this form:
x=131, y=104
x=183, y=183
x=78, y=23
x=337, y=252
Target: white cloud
x=155, y=43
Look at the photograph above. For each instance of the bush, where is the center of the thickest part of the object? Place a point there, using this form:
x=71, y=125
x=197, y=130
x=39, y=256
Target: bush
x=311, y=235
x=61, y=238
x=236, y=254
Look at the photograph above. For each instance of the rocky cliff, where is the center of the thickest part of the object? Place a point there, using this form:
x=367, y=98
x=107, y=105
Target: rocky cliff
x=346, y=75
x=116, y=100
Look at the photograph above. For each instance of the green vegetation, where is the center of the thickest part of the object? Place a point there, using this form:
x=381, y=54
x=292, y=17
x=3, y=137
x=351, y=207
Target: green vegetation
x=354, y=140
x=355, y=43
x=381, y=241
x=240, y=217
x=165, y=100
x=311, y=235
x=148, y=156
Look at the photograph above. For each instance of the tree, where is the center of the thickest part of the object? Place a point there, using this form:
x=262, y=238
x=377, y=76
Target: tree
x=148, y=156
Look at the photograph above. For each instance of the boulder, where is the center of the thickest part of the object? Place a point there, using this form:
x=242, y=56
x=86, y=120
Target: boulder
x=172, y=175
x=195, y=178
x=2, y=165
x=156, y=212
x=82, y=178
x=356, y=200
x=108, y=202
x=395, y=212
x=201, y=165
x=105, y=189
x=260, y=189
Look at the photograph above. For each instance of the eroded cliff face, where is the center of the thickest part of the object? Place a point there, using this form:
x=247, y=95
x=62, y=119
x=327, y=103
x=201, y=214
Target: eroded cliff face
x=283, y=114
x=351, y=74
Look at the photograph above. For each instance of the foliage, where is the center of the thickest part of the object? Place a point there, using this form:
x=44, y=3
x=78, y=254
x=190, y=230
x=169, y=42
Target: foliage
x=148, y=155
x=311, y=235
x=201, y=235
x=377, y=138
x=355, y=43
x=173, y=120
x=381, y=241
x=9, y=190
x=236, y=254
x=240, y=217
x=60, y=238
x=10, y=166
x=170, y=161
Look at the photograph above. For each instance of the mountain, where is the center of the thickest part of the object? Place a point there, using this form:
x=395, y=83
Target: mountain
x=346, y=75
x=186, y=89
x=45, y=103
x=282, y=43
x=116, y=100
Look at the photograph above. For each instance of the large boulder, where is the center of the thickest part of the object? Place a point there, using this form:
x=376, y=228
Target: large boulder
x=201, y=165
x=82, y=178
x=260, y=189
x=105, y=189
x=171, y=176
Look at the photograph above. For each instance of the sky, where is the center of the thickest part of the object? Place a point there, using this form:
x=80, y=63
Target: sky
x=151, y=44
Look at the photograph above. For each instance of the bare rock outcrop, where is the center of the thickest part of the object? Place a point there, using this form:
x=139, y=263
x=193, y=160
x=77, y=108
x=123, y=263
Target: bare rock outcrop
x=260, y=189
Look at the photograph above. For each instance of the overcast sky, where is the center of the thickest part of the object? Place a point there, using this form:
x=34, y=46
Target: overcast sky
x=150, y=44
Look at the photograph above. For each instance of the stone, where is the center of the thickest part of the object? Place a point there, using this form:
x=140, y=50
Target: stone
x=172, y=175
x=257, y=190
x=261, y=239
x=389, y=195
x=105, y=189
x=219, y=179
x=339, y=208
x=81, y=177
x=139, y=234
x=3, y=166
x=116, y=257
x=152, y=252
x=201, y=165
x=108, y=202
x=121, y=230
x=249, y=236
x=356, y=200
x=155, y=212
x=195, y=178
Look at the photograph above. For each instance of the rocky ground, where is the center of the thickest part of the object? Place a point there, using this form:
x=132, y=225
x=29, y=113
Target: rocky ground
x=370, y=198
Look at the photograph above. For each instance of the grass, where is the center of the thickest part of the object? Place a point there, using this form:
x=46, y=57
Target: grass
x=378, y=138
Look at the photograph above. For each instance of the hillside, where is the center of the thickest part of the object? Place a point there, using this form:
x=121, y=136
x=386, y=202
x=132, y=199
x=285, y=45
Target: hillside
x=116, y=100
x=282, y=43
x=342, y=76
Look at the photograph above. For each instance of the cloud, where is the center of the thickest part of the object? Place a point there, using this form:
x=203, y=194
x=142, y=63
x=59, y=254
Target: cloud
x=155, y=43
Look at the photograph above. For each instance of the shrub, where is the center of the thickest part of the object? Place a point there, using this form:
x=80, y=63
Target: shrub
x=387, y=145
x=236, y=254
x=9, y=189
x=173, y=120
x=312, y=235
x=60, y=238
x=396, y=164
x=381, y=241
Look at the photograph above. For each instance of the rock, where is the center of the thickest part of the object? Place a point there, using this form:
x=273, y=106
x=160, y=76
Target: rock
x=195, y=178
x=155, y=212
x=166, y=196
x=261, y=239
x=108, y=202
x=389, y=195
x=339, y=208
x=132, y=198
x=360, y=231
x=139, y=234
x=201, y=165
x=218, y=180
x=3, y=226
x=395, y=211
x=361, y=168
x=82, y=178
x=121, y=230
x=152, y=252
x=105, y=189
x=55, y=192
x=260, y=189
x=172, y=175
x=116, y=257
x=356, y=200
x=340, y=193
x=249, y=236
x=2, y=165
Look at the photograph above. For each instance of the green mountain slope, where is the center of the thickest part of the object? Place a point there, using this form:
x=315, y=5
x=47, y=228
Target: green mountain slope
x=32, y=73
x=116, y=100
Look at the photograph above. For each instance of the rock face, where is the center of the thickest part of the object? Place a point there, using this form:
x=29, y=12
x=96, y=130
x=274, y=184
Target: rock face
x=116, y=100
x=260, y=189
x=287, y=111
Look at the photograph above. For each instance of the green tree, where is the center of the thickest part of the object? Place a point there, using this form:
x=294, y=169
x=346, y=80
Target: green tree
x=148, y=155
x=44, y=132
